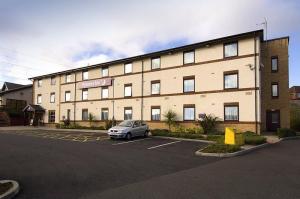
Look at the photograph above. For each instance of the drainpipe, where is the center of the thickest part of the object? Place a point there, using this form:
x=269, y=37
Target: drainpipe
x=142, y=97
x=113, y=101
x=75, y=99
x=255, y=84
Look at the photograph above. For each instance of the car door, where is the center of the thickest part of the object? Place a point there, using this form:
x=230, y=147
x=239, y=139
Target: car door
x=137, y=129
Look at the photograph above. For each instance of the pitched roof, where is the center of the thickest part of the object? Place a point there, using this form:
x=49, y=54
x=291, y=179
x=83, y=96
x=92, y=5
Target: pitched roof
x=162, y=52
x=10, y=87
x=295, y=89
x=33, y=108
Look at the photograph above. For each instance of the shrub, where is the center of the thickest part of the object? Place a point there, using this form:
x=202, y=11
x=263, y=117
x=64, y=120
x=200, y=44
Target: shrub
x=285, y=132
x=221, y=148
x=216, y=138
x=252, y=138
x=208, y=123
x=108, y=124
x=295, y=117
x=91, y=118
x=170, y=119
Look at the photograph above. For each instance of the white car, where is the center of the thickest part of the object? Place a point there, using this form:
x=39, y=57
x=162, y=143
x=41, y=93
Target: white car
x=129, y=129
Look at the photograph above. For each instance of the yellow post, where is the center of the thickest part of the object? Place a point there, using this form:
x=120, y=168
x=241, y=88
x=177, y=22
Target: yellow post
x=229, y=135
x=232, y=137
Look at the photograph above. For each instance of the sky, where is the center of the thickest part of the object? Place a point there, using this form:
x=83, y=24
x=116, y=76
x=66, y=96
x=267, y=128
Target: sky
x=43, y=36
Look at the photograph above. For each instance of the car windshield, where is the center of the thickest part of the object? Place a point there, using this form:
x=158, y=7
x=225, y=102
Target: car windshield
x=126, y=123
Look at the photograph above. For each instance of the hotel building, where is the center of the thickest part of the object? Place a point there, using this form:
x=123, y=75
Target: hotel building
x=242, y=79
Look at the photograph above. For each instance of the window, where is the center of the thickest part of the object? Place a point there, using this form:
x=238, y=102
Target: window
x=155, y=87
x=231, y=112
x=104, y=71
x=231, y=49
x=84, y=94
x=40, y=82
x=52, y=97
x=275, y=90
x=39, y=98
x=85, y=114
x=68, y=78
x=53, y=81
x=189, y=112
x=127, y=90
x=51, y=116
x=189, y=84
x=104, y=114
x=189, y=57
x=155, y=63
x=128, y=68
x=127, y=113
x=104, y=92
x=155, y=113
x=298, y=95
x=67, y=96
x=230, y=79
x=85, y=75
x=274, y=64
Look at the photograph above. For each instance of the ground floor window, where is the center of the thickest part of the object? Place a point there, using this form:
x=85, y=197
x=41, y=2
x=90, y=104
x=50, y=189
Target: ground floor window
x=189, y=112
x=231, y=112
x=85, y=114
x=155, y=113
x=128, y=113
x=104, y=114
x=51, y=116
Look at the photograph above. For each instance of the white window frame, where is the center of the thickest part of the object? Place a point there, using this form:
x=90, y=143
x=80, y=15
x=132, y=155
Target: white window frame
x=104, y=74
x=67, y=96
x=128, y=68
x=85, y=94
x=104, y=92
x=52, y=97
x=155, y=63
x=186, y=57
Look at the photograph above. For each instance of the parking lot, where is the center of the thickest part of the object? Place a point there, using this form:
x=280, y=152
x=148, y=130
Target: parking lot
x=62, y=164
x=54, y=164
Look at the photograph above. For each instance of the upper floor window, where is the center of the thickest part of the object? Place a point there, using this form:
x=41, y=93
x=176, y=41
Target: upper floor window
x=274, y=64
x=155, y=63
x=84, y=94
x=52, y=97
x=189, y=57
x=298, y=95
x=189, y=84
x=85, y=75
x=39, y=99
x=231, y=49
x=68, y=78
x=104, y=92
x=128, y=113
x=231, y=112
x=53, y=81
x=128, y=68
x=85, y=114
x=67, y=96
x=104, y=71
x=51, y=116
x=104, y=114
x=155, y=113
x=230, y=79
x=127, y=90
x=40, y=82
x=275, y=90
x=189, y=112
x=155, y=87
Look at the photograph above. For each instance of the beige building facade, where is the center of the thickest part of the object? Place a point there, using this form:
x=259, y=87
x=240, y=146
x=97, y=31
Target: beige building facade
x=227, y=77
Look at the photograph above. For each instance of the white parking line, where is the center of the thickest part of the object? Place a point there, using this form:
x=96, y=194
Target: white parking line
x=131, y=141
x=163, y=145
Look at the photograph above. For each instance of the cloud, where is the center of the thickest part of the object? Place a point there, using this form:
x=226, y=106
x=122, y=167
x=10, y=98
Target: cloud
x=50, y=36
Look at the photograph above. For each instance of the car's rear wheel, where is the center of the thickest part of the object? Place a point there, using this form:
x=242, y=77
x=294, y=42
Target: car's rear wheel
x=128, y=136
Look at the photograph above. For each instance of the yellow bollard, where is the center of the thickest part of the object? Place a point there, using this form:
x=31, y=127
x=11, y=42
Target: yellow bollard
x=232, y=137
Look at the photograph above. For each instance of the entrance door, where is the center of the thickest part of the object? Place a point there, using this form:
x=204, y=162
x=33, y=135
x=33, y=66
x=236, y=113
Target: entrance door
x=273, y=120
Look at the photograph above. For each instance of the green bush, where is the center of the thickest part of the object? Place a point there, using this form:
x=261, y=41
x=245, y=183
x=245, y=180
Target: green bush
x=216, y=138
x=252, y=138
x=208, y=123
x=285, y=132
x=108, y=124
x=295, y=117
x=166, y=133
x=221, y=148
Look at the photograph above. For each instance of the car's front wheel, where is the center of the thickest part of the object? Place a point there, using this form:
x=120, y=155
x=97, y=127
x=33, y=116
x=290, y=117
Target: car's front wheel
x=128, y=136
